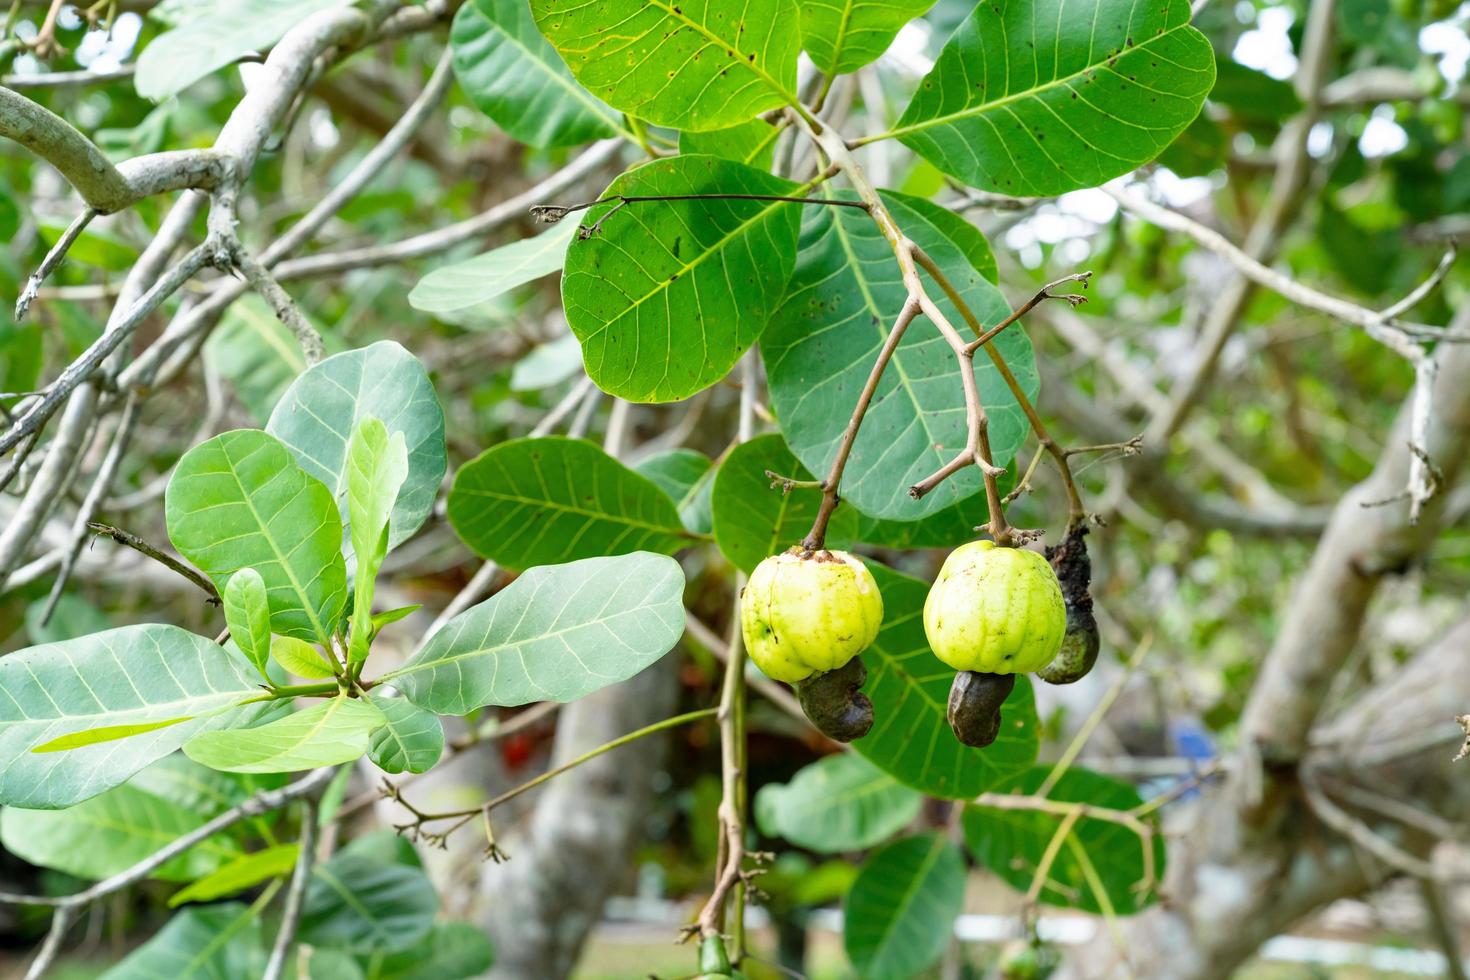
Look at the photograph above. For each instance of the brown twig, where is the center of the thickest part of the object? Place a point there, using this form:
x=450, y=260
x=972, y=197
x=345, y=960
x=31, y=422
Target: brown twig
x=168, y=561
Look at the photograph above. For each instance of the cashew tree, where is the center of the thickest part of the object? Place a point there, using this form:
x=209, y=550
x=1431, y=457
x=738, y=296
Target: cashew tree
x=843, y=412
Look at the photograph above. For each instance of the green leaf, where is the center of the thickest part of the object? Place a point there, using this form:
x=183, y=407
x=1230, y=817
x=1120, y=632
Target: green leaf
x=517, y=79
x=248, y=615
x=216, y=942
x=218, y=33
x=543, y=501
x=1011, y=842
x=328, y=734
x=316, y=416
x=240, y=501
x=548, y=364
x=688, y=477
x=377, y=466
x=840, y=803
x=109, y=834
x=244, y=872
x=1048, y=97
x=201, y=790
x=667, y=295
x=412, y=739
x=300, y=658
x=901, y=909
x=256, y=353
x=129, y=676
x=843, y=35
x=390, y=616
x=948, y=528
x=911, y=739
x=453, y=951
x=106, y=733
x=554, y=634
x=752, y=142
x=687, y=64
x=493, y=273
x=360, y=903
x=753, y=520
x=823, y=341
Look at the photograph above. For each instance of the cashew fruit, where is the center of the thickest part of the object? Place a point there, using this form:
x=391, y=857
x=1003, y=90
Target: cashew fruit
x=975, y=701
x=995, y=610
x=833, y=703
x=809, y=612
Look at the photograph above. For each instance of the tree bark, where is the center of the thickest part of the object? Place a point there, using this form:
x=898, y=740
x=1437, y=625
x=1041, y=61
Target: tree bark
x=1257, y=858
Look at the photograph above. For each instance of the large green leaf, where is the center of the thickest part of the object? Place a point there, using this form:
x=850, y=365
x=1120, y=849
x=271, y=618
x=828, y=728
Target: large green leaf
x=1056, y=95
x=490, y=274
x=215, y=942
x=517, y=79
x=240, y=501
x=901, y=909
x=110, y=833
x=411, y=739
x=248, y=615
x=752, y=520
x=1011, y=842
x=245, y=871
x=667, y=295
x=688, y=64
x=554, y=634
x=453, y=951
x=843, y=35
x=823, y=341
x=688, y=477
x=217, y=33
x=911, y=739
x=127, y=676
x=327, y=734
x=316, y=416
x=377, y=466
x=543, y=501
x=361, y=903
x=948, y=528
x=752, y=142
x=840, y=803
x=256, y=353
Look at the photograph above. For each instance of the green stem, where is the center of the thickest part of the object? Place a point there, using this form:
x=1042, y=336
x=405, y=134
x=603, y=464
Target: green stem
x=587, y=756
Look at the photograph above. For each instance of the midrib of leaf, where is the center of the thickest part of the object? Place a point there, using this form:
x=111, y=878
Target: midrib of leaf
x=912, y=891
x=573, y=89
x=1033, y=92
x=680, y=532
x=333, y=706
x=844, y=22
x=350, y=899
x=306, y=603
x=218, y=941
x=663, y=284
x=755, y=67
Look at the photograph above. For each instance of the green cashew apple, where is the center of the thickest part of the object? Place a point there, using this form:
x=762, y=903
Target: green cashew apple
x=805, y=616
x=995, y=610
x=808, y=612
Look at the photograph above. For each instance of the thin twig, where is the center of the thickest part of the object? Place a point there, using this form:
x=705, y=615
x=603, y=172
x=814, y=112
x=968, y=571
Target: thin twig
x=296, y=895
x=168, y=561
x=51, y=261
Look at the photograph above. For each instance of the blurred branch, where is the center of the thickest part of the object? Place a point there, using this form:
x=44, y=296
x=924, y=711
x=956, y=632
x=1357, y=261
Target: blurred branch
x=69, y=905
